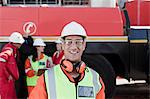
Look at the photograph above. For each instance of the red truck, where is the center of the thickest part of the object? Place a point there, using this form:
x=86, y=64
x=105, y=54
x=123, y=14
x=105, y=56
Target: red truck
x=118, y=43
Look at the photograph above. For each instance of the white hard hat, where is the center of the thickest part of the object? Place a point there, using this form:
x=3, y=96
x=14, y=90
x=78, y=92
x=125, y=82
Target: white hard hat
x=73, y=28
x=16, y=37
x=58, y=41
x=39, y=42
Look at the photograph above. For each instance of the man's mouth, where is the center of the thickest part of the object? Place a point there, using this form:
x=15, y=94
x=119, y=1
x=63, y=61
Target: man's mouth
x=73, y=52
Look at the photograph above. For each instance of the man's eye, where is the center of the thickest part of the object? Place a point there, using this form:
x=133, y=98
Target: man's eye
x=68, y=42
x=79, y=42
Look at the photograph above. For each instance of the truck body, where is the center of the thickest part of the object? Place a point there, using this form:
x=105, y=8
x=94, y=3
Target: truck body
x=118, y=42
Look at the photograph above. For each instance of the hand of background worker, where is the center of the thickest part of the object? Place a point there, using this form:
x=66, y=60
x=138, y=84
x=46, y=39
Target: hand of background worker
x=35, y=73
x=10, y=78
x=51, y=65
x=41, y=71
x=26, y=35
x=31, y=73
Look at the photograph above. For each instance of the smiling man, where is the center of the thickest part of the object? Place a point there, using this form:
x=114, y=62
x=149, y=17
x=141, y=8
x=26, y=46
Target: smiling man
x=71, y=79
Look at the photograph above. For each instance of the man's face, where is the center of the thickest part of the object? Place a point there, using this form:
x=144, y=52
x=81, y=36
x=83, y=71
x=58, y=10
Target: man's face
x=73, y=47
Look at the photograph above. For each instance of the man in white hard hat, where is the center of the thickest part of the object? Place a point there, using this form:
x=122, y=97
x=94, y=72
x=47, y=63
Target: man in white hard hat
x=8, y=66
x=58, y=55
x=71, y=79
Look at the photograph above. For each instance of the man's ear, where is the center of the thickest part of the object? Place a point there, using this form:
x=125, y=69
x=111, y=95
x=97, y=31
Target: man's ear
x=84, y=45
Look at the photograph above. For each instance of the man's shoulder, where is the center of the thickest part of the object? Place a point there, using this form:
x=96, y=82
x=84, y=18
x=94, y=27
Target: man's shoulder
x=6, y=52
x=46, y=56
x=7, y=49
x=55, y=67
x=30, y=57
x=92, y=70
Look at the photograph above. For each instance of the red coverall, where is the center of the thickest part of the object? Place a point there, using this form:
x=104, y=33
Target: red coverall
x=8, y=72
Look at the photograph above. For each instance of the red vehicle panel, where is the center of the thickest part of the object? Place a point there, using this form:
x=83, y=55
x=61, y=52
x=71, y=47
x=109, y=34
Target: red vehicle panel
x=49, y=21
x=139, y=12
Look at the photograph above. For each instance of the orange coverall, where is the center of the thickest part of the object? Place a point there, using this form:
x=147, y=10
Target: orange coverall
x=30, y=72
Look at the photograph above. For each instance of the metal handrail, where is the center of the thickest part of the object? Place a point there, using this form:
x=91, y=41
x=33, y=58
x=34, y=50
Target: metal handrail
x=48, y=2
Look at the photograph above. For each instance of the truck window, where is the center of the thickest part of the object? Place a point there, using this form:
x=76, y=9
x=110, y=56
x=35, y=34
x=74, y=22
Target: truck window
x=30, y=2
x=73, y=3
x=49, y=2
x=103, y=3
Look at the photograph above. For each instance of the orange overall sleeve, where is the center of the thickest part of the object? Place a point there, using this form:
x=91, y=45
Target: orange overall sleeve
x=39, y=91
x=28, y=70
x=101, y=93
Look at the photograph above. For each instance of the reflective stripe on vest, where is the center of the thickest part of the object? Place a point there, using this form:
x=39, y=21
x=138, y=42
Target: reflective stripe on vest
x=59, y=87
x=31, y=81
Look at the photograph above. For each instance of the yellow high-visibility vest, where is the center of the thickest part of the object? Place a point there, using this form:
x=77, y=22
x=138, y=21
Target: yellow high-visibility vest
x=31, y=81
x=58, y=85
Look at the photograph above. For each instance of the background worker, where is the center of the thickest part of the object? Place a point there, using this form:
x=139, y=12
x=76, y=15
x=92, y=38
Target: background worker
x=8, y=66
x=71, y=79
x=24, y=51
x=36, y=63
x=58, y=55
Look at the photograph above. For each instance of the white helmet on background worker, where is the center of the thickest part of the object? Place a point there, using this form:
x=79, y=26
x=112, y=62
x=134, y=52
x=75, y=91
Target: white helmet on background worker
x=16, y=37
x=73, y=28
x=39, y=42
x=58, y=41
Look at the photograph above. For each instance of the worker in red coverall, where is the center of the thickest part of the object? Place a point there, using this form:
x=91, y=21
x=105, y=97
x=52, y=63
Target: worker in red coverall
x=58, y=55
x=8, y=66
